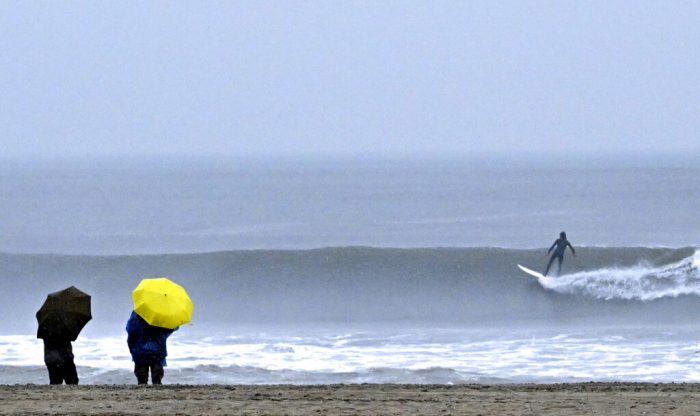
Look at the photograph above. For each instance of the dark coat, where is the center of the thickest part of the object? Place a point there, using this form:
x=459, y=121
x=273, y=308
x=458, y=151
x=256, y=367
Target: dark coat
x=146, y=342
x=57, y=351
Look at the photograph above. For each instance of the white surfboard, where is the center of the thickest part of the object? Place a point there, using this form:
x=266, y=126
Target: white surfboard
x=531, y=272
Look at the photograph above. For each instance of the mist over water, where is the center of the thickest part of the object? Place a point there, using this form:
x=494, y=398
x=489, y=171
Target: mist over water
x=364, y=272
x=148, y=207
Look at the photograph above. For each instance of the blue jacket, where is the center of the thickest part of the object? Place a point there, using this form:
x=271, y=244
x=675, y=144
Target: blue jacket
x=146, y=342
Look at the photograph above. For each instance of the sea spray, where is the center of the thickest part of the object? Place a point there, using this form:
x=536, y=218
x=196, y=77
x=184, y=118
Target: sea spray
x=640, y=282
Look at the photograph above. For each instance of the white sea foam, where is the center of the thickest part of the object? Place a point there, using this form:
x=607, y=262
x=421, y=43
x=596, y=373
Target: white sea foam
x=411, y=356
x=641, y=282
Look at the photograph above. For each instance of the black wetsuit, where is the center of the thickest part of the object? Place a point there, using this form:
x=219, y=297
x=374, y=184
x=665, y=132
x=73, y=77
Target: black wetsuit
x=559, y=246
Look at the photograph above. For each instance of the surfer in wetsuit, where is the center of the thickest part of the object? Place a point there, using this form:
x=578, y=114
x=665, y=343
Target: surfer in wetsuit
x=559, y=247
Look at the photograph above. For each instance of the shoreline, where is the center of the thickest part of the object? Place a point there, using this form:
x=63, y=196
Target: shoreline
x=337, y=399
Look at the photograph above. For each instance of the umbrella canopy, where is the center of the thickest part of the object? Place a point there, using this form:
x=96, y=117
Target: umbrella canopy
x=64, y=314
x=162, y=303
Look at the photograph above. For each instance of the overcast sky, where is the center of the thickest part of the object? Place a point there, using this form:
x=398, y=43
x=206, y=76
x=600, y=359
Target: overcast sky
x=345, y=77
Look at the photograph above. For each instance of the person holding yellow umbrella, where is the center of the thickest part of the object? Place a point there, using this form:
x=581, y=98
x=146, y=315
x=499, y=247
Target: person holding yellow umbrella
x=160, y=307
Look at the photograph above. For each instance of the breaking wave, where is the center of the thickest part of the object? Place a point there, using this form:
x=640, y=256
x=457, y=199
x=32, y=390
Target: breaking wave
x=462, y=286
x=641, y=282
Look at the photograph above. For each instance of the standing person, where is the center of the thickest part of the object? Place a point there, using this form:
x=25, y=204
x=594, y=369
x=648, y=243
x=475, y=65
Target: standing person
x=559, y=247
x=58, y=357
x=147, y=345
x=61, y=318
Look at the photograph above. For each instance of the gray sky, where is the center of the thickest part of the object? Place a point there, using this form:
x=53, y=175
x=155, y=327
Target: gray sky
x=307, y=77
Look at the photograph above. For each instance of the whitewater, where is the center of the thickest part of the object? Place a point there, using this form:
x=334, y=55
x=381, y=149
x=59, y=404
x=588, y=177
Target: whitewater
x=423, y=355
x=347, y=272
x=641, y=282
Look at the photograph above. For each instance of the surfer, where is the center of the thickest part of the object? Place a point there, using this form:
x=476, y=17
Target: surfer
x=559, y=247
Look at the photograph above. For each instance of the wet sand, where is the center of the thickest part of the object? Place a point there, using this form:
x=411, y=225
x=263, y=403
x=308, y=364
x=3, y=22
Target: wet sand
x=385, y=399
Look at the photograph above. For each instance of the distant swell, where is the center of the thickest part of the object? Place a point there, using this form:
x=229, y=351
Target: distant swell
x=641, y=282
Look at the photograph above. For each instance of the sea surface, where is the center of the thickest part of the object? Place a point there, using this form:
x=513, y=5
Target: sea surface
x=357, y=271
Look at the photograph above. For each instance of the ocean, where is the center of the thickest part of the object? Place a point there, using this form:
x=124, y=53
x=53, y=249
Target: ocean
x=362, y=271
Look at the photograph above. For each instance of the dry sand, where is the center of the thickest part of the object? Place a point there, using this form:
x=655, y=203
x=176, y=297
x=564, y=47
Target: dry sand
x=385, y=399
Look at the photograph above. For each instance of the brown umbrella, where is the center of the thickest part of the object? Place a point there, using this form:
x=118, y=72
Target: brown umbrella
x=64, y=314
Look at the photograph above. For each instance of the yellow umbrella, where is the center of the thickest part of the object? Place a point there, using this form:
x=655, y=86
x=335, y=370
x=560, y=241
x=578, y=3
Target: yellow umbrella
x=163, y=303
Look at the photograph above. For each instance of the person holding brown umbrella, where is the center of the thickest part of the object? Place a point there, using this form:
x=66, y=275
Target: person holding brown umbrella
x=61, y=318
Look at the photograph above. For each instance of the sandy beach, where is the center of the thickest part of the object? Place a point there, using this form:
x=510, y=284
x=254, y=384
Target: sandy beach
x=385, y=399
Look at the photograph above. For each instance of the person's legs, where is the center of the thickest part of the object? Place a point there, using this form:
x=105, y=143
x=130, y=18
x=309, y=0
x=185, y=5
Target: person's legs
x=141, y=373
x=157, y=373
x=55, y=374
x=561, y=259
x=70, y=374
x=551, y=259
